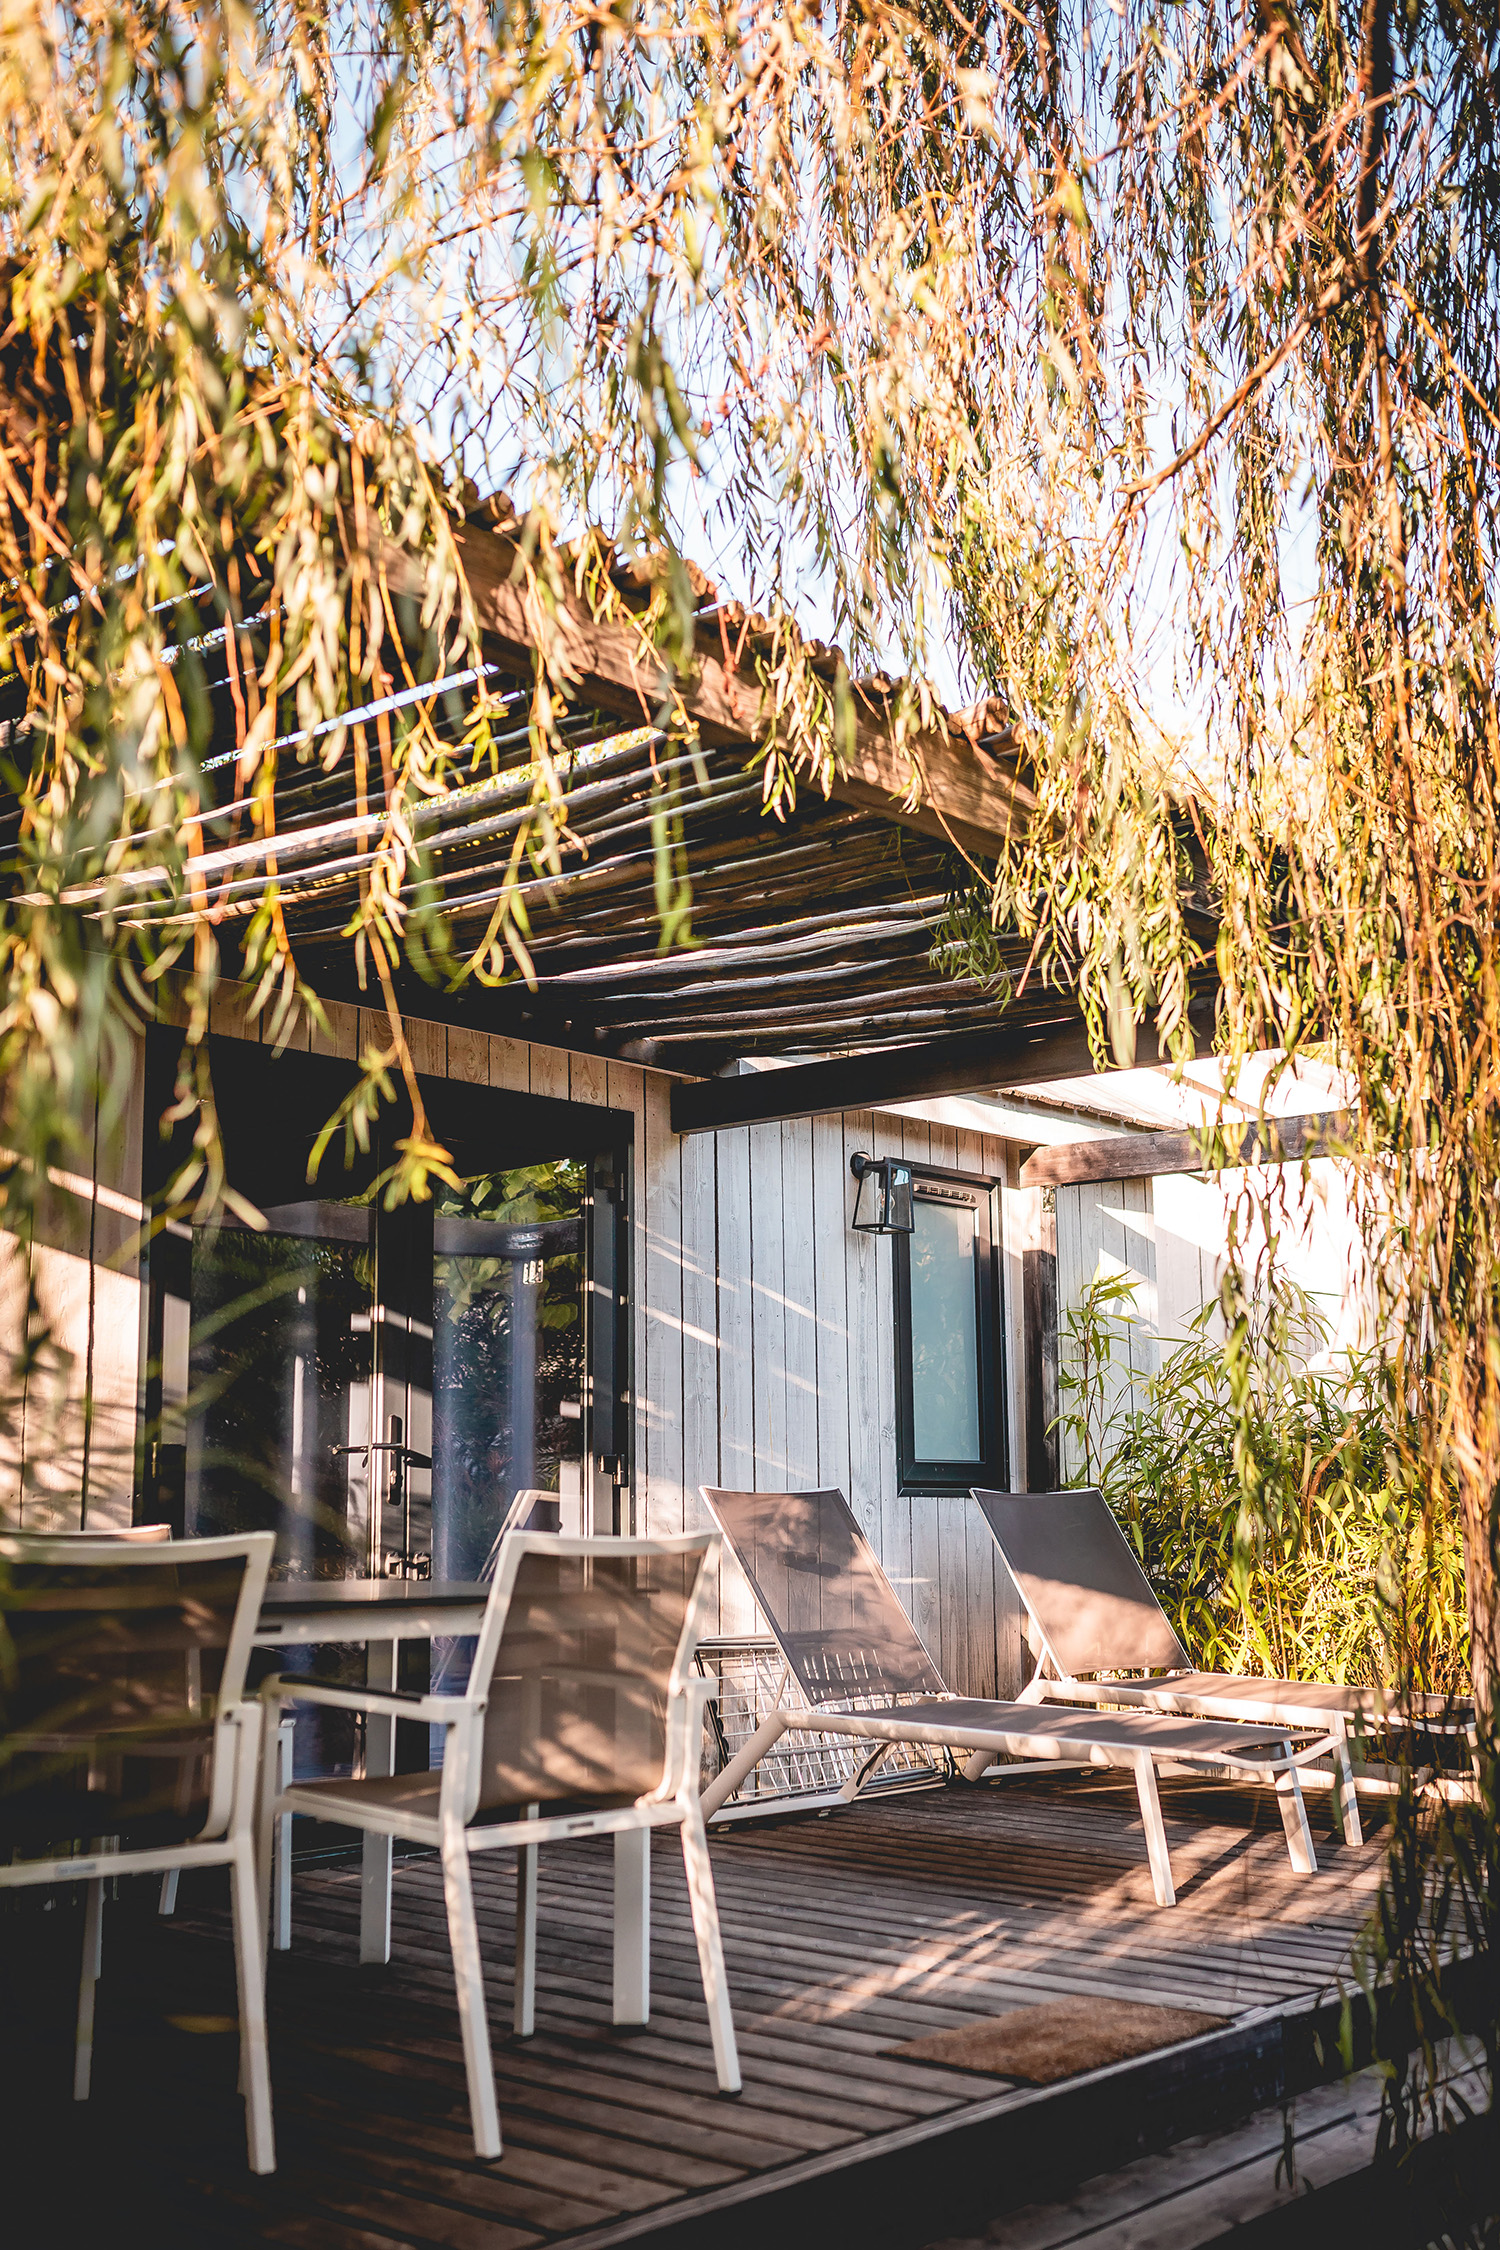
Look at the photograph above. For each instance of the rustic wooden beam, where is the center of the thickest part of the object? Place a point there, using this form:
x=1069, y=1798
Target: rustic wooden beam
x=891, y=1074
x=968, y=790
x=1149, y=1156
x=1016, y=1051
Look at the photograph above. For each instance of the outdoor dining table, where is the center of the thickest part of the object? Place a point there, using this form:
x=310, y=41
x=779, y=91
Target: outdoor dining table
x=380, y=1612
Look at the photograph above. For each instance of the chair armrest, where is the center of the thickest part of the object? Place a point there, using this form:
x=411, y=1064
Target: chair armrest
x=395, y=1703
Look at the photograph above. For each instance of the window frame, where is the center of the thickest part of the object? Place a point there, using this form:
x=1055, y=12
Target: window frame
x=915, y=1476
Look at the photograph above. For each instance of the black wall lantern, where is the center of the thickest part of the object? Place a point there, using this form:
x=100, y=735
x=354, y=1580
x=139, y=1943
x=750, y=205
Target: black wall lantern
x=883, y=1203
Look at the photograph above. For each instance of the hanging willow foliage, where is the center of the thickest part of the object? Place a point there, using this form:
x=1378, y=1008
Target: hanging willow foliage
x=1059, y=335
x=975, y=321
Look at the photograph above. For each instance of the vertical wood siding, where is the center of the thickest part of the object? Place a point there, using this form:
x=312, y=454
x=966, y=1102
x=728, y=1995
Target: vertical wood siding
x=763, y=1329
x=1107, y=1227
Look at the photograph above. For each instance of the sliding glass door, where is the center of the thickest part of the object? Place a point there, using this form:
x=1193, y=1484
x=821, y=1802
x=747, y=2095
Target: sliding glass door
x=265, y=1354
x=509, y=1374
x=377, y=1386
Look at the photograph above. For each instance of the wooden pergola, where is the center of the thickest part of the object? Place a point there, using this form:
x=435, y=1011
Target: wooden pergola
x=813, y=934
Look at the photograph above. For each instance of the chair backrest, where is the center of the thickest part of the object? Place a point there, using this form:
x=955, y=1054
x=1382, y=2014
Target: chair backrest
x=1088, y=1597
x=122, y=1660
x=131, y=1534
x=531, y=1510
x=836, y=1616
x=582, y=1643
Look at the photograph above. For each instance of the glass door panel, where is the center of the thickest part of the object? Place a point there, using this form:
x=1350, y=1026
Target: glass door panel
x=267, y=1369
x=275, y=1392
x=508, y=1355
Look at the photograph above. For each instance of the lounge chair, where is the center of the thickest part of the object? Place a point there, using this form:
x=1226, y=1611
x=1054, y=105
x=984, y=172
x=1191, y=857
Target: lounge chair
x=581, y=1718
x=1092, y=1612
x=127, y=1733
x=867, y=1677
x=531, y=1510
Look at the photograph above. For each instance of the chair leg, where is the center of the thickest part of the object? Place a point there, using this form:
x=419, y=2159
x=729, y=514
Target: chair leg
x=524, y=2018
x=250, y=1975
x=93, y=1962
x=700, y=1881
x=1348, y=1801
x=739, y=1768
x=1299, y=1838
x=632, y=1925
x=468, y=1976
x=380, y=1759
x=1155, y=1827
x=865, y=1771
x=281, y=1850
x=268, y=1779
x=167, y=1904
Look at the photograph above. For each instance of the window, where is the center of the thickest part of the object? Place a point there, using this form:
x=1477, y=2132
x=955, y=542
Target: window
x=948, y=1420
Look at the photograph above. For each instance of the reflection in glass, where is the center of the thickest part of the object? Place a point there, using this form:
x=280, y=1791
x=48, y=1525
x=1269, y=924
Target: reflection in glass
x=507, y=1369
x=275, y=1379
x=945, y=1331
x=508, y=1354
x=279, y=1378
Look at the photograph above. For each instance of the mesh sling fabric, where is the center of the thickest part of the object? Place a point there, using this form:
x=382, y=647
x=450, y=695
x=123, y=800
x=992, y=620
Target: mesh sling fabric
x=109, y=1677
x=840, y=1625
x=578, y=1696
x=1081, y=1581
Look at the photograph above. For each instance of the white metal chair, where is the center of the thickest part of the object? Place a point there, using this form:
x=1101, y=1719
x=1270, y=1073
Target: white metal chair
x=152, y=1534
x=125, y=1725
x=582, y=1717
x=531, y=1509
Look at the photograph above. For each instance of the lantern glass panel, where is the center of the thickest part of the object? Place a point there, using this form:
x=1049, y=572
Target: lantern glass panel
x=899, y=1216
x=867, y=1200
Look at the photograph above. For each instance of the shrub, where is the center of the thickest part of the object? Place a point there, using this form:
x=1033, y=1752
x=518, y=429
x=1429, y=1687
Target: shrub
x=1270, y=1504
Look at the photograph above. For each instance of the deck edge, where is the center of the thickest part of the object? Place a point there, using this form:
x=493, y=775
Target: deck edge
x=924, y=2180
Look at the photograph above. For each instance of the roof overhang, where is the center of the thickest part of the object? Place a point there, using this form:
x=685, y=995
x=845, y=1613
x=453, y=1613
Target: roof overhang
x=1019, y=1050
x=956, y=779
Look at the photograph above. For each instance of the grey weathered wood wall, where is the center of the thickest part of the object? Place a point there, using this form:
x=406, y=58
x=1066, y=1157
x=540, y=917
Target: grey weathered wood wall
x=1107, y=1227
x=69, y=1288
x=763, y=1345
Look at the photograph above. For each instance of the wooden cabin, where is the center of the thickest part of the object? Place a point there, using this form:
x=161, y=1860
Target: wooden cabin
x=649, y=1276
x=649, y=1267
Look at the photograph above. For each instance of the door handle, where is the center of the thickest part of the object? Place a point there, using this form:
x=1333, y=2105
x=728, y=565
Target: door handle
x=413, y=1460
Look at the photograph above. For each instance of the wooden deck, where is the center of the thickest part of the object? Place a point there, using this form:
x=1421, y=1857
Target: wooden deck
x=845, y=1936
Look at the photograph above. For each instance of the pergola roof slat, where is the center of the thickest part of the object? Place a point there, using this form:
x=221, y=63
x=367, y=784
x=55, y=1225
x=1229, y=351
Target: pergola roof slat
x=810, y=932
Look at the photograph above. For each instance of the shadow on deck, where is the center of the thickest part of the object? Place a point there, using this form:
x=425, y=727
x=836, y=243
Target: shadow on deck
x=845, y=1937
